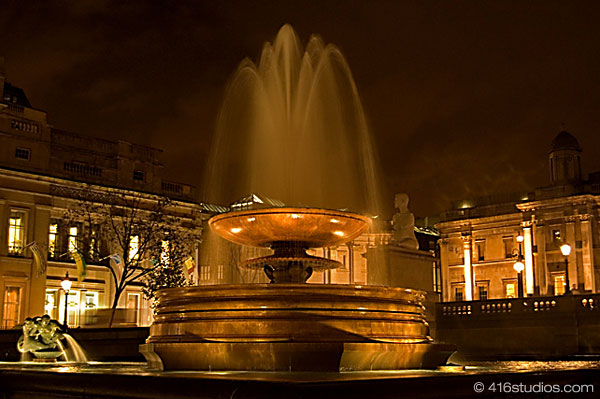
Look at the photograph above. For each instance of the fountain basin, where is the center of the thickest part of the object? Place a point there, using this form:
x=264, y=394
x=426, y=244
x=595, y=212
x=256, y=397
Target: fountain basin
x=289, y=232
x=291, y=327
x=313, y=227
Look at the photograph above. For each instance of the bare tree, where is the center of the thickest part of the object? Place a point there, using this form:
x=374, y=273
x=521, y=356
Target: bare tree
x=139, y=228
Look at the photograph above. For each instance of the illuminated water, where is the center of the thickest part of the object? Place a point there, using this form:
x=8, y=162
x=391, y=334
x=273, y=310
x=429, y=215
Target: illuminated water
x=292, y=128
x=74, y=351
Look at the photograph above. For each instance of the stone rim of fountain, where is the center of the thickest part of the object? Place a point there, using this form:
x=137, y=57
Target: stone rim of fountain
x=290, y=232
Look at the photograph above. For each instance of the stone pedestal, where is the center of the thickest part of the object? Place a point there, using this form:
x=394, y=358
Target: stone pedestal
x=396, y=266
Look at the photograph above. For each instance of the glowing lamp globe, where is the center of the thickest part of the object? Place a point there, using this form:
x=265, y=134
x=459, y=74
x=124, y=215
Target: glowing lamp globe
x=519, y=266
x=565, y=249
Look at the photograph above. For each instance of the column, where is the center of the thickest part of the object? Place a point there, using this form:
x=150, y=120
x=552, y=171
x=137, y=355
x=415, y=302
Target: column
x=468, y=269
x=541, y=267
x=350, y=246
x=573, y=275
x=587, y=254
x=528, y=249
x=445, y=269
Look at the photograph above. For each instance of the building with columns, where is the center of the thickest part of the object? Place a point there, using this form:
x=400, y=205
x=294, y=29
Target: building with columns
x=483, y=238
x=42, y=169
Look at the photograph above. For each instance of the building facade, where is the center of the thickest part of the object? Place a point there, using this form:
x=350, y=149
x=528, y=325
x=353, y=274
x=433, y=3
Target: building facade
x=482, y=239
x=41, y=170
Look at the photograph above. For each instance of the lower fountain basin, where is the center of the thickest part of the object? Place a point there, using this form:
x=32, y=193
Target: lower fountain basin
x=291, y=327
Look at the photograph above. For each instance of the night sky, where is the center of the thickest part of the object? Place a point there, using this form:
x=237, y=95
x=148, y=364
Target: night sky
x=463, y=97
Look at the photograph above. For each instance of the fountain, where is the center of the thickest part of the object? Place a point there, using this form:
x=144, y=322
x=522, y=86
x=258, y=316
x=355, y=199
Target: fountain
x=292, y=121
x=298, y=121
x=42, y=337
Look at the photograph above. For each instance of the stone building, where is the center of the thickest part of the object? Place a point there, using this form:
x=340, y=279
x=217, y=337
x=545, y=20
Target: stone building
x=40, y=169
x=482, y=238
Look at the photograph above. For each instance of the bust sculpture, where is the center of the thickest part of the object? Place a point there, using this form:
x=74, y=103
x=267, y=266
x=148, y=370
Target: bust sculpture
x=403, y=223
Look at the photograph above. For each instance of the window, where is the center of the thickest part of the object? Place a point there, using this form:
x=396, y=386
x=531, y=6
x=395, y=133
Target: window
x=139, y=175
x=480, y=250
x=220, y=272
x=18, y=124
x=173, y=188
x=482, y=289
x=556, y=235
x=50, y=305
x=82, y=169
x=133, y=306
x=205, y=273
x=16, y=233
x=73, y=241
x=89, y=302
x=22, y=153
x=559, y=284
x=509, y=290
x=134, y=246
x=508, y=246
x=458, y=294
x=12, y=307
x=53, y=240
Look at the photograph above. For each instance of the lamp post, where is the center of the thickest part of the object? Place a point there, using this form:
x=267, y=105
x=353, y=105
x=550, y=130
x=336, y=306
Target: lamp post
x=66, y=286
x=566, y=250
x=519, y=267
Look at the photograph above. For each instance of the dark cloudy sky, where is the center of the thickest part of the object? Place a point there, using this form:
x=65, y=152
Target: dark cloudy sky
x=463, y=97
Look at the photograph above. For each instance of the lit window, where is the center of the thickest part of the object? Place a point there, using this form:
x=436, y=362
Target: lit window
x=556, y=235
x=16, y=232
x=133, y=306
x=134, y=247
x=220, y=272
x=483, y=292
x=12, y=307
x=52, y=240
x=90, y=300
x=510, y=290
x=205, y=273
x=73, y=230
x=458, y=294
x=559, y=284
x=51, y=303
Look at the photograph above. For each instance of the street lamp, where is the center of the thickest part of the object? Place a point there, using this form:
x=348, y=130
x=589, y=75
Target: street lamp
x=66, y=286
x=566, y=250
x=519, y=267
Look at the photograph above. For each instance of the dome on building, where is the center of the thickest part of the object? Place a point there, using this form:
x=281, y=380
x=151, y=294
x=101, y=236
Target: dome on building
x=564, y=141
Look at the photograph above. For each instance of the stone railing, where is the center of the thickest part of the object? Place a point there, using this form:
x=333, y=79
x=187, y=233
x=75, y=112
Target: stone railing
x=561, y=303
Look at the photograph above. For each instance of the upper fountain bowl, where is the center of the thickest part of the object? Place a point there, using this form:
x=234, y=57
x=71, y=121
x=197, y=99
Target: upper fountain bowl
x=313, y=227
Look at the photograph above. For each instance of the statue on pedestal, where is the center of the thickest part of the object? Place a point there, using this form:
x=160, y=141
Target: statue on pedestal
x=403, y=223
